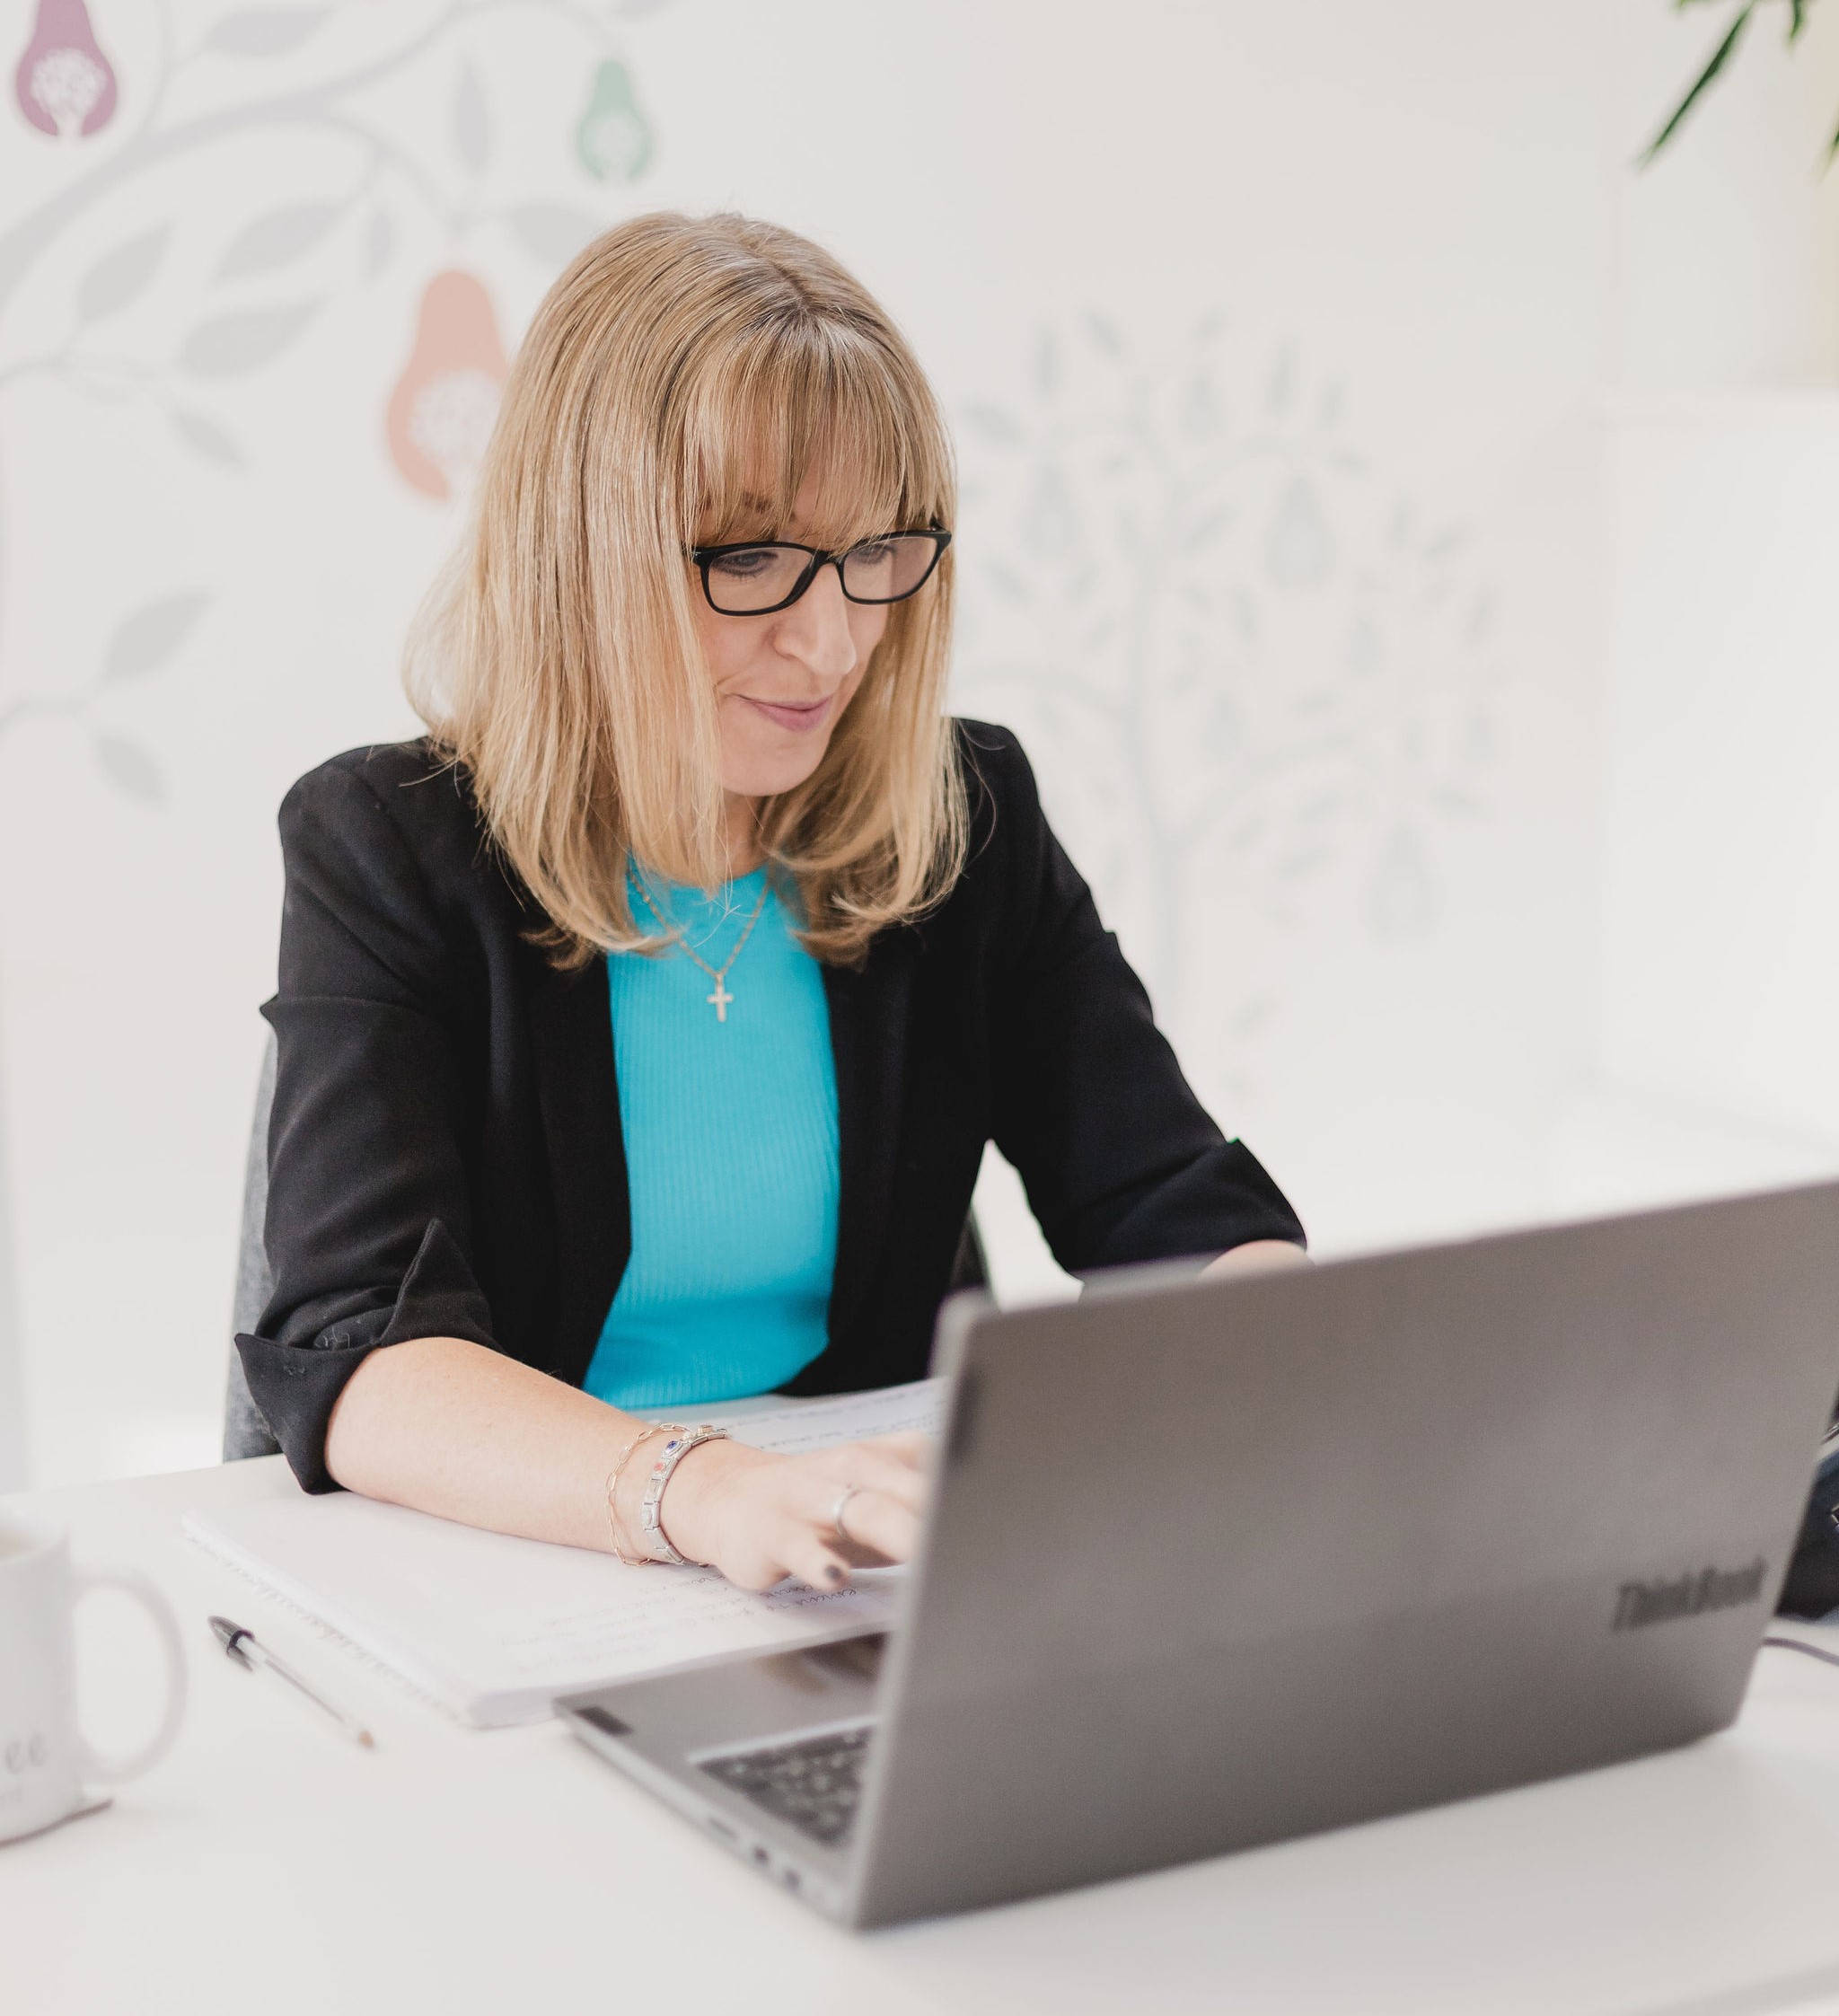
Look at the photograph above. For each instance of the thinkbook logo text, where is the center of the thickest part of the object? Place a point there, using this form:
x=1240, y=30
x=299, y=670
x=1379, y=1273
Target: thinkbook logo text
x=1688, y=1596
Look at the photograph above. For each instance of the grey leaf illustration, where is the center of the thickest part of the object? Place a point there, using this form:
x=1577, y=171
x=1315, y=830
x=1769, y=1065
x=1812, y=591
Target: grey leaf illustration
x=117, y=277
x=1252, y=1015
x=1047, y=365
x=992, y=423
x=274, y=240
x=1206, y=527
x=267, y=31
x=379, y=243
x=1199, y=412
x=1051, y=525
x=144, y=641
x=552, y=233
x=226, y=345
x=1300, y=551
x=202, y=434
x=127, y=766
x=472, y=135
x=1402, y=895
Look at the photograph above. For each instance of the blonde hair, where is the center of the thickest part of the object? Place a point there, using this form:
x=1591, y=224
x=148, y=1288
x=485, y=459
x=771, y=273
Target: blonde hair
x=680, y=381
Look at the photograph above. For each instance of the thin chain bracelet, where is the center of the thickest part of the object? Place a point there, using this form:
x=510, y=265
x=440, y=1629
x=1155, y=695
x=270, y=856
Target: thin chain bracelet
x=651, y=1524
x=644, y=1435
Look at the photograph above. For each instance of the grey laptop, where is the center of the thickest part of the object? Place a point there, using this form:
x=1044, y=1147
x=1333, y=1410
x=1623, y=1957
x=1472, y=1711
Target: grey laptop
x=1209, y=1563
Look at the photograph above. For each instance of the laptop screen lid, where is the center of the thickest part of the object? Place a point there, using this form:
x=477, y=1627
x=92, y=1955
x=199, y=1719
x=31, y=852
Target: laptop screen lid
x=1218, y=1563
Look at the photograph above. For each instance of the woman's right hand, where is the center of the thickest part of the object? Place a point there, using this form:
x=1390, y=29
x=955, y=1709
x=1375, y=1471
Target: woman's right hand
x=759, y=1517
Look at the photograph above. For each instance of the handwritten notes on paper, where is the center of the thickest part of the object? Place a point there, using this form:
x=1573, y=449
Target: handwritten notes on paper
x=494, y=1627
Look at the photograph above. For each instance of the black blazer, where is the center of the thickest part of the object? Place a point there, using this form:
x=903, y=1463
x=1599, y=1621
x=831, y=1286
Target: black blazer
x=444, y=1156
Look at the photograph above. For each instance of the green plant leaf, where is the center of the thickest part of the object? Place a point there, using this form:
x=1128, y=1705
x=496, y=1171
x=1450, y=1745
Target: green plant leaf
x=1797, y=18
x=1720, y=55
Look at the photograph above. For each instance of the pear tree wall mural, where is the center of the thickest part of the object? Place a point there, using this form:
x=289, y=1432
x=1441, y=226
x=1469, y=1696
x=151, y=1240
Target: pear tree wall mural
x=1261, y=679
x=1258, y=674
x=118, y=89
x=439, y=410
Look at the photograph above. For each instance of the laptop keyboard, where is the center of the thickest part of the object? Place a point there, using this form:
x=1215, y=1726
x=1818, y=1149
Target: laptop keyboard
x=813, y=1785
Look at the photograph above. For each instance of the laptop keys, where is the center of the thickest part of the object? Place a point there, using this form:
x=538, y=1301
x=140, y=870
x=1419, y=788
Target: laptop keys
x=812, y=1782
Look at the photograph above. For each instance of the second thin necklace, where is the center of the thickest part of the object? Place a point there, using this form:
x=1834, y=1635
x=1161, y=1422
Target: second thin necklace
x=721, y=998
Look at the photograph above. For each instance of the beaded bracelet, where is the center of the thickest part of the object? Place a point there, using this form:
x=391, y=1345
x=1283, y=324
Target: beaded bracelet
x=651, y=1526
x=644, y=1435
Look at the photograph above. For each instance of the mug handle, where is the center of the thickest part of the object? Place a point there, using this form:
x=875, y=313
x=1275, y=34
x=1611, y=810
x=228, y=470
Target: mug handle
x=98, y=1767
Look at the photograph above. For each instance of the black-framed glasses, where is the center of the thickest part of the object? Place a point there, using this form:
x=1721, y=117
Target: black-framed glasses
x=756, y=577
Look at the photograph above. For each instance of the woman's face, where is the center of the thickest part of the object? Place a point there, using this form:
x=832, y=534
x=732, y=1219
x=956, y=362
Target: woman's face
x=783, y=681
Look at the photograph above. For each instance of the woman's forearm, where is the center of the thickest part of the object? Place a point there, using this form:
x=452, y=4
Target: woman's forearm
x=1257, y=1256
x=451, y=1427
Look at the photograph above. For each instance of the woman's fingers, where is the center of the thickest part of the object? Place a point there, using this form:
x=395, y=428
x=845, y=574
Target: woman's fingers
x=867, y=1469
x=814, y=1561
x=874, y=1520
x=910, y=1446
x=778, y=1517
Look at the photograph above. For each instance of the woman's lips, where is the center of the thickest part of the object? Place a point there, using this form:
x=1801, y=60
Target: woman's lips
x=799, y=717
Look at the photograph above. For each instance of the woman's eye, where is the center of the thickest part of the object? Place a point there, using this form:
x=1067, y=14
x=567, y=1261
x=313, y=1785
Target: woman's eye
x=744, y=566
x=875, y=552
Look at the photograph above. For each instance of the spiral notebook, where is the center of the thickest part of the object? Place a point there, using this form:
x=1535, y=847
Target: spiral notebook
x=494, y=1628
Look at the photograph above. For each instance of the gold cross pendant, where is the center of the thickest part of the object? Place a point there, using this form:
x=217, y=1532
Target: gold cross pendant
x=719, y=1000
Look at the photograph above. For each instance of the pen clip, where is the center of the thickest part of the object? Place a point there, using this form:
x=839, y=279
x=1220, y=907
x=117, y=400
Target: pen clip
x=230, y=1637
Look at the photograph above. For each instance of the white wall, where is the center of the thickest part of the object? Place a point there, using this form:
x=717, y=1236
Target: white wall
x=1720, y=970
x=1713, y=1062
x=1293, y=323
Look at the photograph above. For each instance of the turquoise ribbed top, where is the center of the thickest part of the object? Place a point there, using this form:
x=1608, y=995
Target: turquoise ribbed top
x=730, y=1132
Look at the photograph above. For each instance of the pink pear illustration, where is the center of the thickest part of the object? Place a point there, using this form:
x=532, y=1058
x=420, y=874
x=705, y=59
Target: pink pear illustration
x=65, y=85
x=441, y=410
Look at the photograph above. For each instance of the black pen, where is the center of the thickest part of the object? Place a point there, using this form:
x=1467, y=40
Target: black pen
x=247, y=1650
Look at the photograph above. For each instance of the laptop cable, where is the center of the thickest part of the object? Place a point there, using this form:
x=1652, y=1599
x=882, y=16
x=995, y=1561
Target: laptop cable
x=1800, y=1645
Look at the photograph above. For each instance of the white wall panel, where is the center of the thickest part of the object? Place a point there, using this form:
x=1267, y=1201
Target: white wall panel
x=1720, y=964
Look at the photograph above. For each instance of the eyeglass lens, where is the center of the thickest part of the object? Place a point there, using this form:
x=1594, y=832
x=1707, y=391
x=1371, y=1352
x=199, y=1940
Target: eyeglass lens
x=760, y=577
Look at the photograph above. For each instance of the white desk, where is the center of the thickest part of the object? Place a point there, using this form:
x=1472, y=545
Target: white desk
x=267, y=1868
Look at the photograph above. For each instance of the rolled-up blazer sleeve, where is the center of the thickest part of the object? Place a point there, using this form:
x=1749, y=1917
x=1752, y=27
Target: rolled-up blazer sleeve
x=1119, y=1160
x=369, y=1218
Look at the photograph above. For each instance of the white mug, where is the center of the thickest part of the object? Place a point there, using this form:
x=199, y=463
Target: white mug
x=46, y=1764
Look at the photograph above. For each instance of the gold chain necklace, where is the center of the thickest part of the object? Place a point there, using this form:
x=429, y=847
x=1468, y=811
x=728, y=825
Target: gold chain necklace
x=721, y=998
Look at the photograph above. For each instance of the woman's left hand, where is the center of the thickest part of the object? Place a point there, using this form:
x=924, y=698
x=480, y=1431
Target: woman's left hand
x=759, y=1517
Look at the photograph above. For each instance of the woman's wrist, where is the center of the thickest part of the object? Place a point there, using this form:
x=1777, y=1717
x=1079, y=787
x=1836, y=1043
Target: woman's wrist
x=694, y=1486
x=689, y=1508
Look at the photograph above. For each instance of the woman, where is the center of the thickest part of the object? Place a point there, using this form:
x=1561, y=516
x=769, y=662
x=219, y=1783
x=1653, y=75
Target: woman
x=640, y=1030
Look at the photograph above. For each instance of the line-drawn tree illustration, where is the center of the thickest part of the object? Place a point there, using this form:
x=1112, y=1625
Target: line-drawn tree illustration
x=1245, y=658
x=122, y=89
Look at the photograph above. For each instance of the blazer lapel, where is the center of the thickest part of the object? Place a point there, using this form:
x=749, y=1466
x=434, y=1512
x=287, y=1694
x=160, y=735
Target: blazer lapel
x=868, y=1041
x=571, y=1021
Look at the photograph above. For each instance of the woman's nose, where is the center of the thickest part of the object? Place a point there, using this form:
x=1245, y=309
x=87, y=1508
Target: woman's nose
x=816, y=630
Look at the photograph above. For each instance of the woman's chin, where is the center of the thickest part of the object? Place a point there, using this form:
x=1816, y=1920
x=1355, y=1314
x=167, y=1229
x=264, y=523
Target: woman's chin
x=760, y=773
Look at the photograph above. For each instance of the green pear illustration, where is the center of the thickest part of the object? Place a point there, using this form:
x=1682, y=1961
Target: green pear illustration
x=615, y=137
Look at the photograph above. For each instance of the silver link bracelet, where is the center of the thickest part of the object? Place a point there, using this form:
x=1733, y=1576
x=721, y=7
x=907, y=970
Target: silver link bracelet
x=655, y=1540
